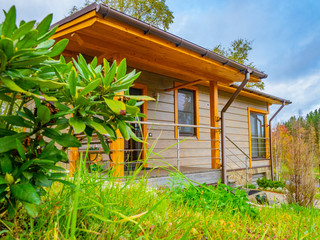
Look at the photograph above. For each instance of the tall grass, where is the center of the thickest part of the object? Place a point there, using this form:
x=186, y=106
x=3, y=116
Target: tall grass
x=109, y=209
x=98, y=206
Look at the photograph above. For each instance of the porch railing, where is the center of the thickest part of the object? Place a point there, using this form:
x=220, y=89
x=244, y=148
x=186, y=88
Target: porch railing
x=167, y=148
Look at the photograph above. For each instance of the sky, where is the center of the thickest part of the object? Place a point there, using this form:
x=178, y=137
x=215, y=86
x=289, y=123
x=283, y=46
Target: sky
x=285, y=35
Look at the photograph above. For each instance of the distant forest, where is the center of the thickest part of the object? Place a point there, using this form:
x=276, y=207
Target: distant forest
x=296, y=147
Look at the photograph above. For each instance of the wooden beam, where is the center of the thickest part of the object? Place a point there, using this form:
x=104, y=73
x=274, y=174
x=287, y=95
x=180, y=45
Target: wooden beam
x=214, y=122
x=184, y=85
x=118, y=144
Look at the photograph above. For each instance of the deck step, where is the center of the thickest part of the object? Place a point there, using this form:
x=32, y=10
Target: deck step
x=210, y=177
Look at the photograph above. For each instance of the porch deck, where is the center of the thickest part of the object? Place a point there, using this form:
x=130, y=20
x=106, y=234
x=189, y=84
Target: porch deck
x=162, y=176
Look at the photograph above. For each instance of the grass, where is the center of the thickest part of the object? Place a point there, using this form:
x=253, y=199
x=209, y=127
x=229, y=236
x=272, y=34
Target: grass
x=102, y=208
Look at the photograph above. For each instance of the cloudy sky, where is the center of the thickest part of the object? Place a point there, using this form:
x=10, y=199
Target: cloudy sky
x=285, y=35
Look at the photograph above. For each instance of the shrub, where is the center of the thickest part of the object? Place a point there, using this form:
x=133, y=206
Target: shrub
x=264, y=183
x=219, y=197
x=53, y=90
x=301, y=186
x=252, y=186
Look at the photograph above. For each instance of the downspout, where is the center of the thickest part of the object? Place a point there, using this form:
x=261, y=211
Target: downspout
x=225, y=108
x=270, y=137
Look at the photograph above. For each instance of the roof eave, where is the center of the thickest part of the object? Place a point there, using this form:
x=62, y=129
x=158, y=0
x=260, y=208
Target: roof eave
x=106, y=11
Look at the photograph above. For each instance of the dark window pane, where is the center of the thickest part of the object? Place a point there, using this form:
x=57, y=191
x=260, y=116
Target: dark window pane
x=258, y=140
x=186, y=110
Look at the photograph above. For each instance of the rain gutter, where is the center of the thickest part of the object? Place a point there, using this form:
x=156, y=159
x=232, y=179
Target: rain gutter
x=106, y=11
x=223, y=136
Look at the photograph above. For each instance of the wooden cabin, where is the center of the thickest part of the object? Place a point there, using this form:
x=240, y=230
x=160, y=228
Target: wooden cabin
x=193, y=88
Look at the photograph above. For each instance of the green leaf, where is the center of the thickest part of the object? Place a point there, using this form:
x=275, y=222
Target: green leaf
x=72, y=80
x=22, y=30
x=16, y=121
x=106, y=65
x=25, y=192
x=45, y=83
x=7, y=46
x=6, y=164
x=3, y=60
x=58, y=48
x=78, y=125
x=117, y=107
x=43, y=113
x=29, y=113
x=53, y=167
x=103, y=143
x=43, y=162
x=5, y=132
x=109, y=76
x=48, y=34
x=20, y=149
x=97, y=126
x=134, y=137
x=122, y=69
x=56, y=175
x=29, y=40
x=46, y=44
x=2, y=180
x=132, y=110
x=124, y=130
x=139, y=98
x=9, y=23
x=9, y=142
x=12, y=85
x=26, y=63
x=43, y=179
x=90, y=87
x=44, y=25
x=30, y=208
x=67, y=140
x=5, y=97
x=2, y=188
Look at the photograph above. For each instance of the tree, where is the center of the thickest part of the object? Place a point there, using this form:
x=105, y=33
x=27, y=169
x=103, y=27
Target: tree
x=239, y=51
x=155, y=12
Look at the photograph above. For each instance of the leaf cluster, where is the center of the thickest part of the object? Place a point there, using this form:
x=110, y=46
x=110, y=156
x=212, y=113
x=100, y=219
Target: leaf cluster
x=219, y=197
x=53, y=100
x=154, y=12
x=268, y=183
x=239, y=51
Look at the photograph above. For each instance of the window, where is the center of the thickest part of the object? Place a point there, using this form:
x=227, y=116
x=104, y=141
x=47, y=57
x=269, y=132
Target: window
x=186, y=102
x=258, y=134
x=186, y=111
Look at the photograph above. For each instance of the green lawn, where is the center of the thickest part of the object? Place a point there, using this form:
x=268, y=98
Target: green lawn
x=111, y=210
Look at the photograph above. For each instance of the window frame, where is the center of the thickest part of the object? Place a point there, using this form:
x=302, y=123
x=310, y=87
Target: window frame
x=266, y=134
x=196, y=109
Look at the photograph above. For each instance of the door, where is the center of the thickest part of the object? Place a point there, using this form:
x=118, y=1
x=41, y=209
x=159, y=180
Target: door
x=133, y=149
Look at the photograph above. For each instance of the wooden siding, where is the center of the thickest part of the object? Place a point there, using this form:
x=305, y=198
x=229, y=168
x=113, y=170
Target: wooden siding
x=193, y=152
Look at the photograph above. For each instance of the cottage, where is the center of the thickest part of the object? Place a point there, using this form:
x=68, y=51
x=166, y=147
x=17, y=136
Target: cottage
x=201, y=123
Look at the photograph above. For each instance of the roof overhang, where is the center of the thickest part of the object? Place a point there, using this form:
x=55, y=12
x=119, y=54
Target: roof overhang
x=254, y=94
x=98, y=30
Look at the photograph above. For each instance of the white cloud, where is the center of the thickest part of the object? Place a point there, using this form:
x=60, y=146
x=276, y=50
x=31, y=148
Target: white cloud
x=37, y=9
x=304, y=92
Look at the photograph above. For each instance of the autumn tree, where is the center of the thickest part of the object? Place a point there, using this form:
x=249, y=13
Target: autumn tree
x=239, y=51
x=155, y=12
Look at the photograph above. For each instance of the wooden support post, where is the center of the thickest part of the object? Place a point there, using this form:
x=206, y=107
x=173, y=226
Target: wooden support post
x=74, y=157
x=118, y=145
x=117, y=156
x=214, y=122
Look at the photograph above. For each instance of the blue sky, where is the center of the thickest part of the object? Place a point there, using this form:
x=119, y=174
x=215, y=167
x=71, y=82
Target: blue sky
x=285, y=35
